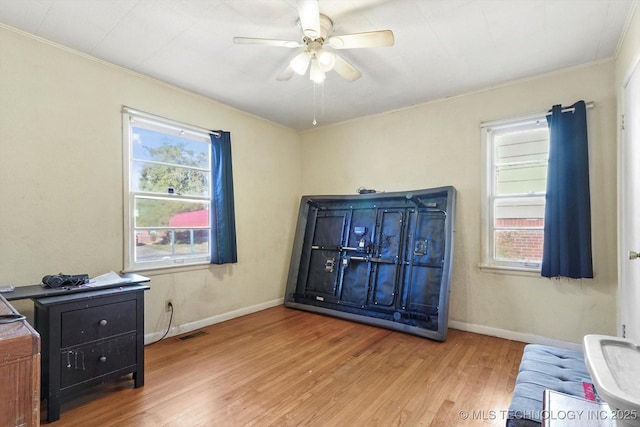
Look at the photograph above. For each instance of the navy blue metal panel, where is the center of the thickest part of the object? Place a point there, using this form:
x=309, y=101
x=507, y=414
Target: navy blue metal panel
x=380, y=258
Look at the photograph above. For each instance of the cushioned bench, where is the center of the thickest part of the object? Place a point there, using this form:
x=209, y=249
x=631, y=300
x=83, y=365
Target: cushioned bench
x=546, y=368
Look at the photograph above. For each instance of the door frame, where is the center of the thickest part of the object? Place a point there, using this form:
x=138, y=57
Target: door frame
x=623, y=245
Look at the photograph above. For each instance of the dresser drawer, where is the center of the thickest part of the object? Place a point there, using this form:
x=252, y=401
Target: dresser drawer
x=97, y=322
x=89, y=362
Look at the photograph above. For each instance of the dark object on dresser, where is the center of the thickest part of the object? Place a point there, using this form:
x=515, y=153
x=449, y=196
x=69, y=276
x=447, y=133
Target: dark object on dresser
x=88, y=338
x=59, y=280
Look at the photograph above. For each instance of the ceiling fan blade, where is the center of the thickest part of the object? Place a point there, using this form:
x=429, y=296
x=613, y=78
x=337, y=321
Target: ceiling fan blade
x=309, y=12
x=360, y=40
x=267, y=42
x=285, y=74
x=346, y=70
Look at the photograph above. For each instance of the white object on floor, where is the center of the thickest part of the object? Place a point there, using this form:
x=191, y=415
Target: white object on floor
x=614, y=365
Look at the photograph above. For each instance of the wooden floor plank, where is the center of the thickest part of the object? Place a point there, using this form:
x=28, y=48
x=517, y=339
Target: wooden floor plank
x=286, y=367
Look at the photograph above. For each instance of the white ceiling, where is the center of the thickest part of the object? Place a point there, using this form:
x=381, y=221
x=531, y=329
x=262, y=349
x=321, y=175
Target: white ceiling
x=442, y=48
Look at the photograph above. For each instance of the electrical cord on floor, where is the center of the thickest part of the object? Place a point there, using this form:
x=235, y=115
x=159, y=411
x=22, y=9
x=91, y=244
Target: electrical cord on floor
x=170, y=305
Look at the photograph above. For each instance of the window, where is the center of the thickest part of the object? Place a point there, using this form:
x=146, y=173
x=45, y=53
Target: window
x=168, y=192
x=517, y=153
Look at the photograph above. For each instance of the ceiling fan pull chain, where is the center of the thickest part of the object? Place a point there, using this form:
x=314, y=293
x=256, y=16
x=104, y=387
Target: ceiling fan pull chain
x=322, y=101
x=314, y=104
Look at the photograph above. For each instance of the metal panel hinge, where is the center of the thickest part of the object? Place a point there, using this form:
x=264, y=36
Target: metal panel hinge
x=621, y=121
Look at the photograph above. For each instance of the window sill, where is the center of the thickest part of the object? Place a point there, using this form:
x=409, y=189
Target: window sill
x=159, y=270
x=516, y=271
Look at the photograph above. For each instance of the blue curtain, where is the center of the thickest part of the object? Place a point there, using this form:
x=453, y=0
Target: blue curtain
x=223, y=227
x=567, y=219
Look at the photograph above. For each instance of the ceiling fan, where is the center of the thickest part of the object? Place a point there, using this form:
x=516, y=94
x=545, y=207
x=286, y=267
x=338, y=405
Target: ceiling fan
x=317, y=29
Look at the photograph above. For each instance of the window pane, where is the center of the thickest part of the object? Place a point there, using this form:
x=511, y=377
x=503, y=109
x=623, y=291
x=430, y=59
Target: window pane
x=157, y=178
x=515, y=212
x=165, y=148
x=521, y=179
x=159, y=213
x=521, y=160
x=519, y=229
x=520, y=146
x=153, y=245
x=519, y=245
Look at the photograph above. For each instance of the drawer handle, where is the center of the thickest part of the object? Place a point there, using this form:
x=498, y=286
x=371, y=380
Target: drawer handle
x=102, y=359
x=103, y=322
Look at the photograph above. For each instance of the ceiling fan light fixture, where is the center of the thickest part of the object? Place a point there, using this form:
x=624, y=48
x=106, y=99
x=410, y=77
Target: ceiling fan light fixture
x=315, y=73
x=300, y=63
x=326, y=60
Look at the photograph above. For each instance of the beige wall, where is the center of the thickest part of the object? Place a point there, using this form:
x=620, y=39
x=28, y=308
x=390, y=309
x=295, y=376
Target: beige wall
x=61, y=181
x=439, y=144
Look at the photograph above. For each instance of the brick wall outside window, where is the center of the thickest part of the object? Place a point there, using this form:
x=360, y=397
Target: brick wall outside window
x=514, y=243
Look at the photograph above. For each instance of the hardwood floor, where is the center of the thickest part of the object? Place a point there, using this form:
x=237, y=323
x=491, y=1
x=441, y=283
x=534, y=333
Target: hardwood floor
x=286, y=367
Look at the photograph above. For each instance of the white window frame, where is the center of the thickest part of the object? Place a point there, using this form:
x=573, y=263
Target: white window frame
x=488, y=130
x=171, y=127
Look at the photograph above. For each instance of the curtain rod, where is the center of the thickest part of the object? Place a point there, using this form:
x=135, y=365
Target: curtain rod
x=523, y=118
x=179, y=125
x=589, y=106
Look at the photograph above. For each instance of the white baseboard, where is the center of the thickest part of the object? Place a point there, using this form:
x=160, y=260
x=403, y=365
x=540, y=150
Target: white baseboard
x=192, y=326
x=515, y=336
x=454, y=324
